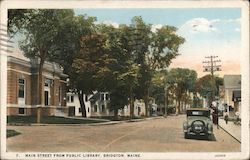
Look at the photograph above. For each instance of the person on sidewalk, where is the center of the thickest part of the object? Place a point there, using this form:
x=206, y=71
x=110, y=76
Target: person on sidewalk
x=215, y=116
x=226, y=117
x=237, y=114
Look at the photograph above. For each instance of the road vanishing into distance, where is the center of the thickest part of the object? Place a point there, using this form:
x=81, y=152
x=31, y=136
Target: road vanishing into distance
x=153, y=135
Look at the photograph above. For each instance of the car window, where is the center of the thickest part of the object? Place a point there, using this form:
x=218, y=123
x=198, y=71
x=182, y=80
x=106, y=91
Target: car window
x=205, y=113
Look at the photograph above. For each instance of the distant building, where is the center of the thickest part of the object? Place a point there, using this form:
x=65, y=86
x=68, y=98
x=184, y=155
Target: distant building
x=22, y=84
x=97, y=106
x=74, y=106
x=230, y=93
x=139, y=109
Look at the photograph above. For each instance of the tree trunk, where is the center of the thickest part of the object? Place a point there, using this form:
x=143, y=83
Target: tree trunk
x=147, y=109
x=178, y=107
x=40, y=90
x=82, y=104
x=116, y=113
x=131, y=104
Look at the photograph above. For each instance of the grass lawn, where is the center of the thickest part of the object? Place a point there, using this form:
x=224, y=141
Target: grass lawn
x=50, y=120
x=12, y=133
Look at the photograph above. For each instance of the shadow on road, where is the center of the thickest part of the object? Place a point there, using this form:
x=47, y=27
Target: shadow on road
x=195, y=137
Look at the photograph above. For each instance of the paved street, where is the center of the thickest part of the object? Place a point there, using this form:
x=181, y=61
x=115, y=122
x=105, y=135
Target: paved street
x=155, y=135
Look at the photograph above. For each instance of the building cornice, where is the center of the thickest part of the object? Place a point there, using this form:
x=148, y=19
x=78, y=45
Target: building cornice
x=53, y=68
x=18, y=61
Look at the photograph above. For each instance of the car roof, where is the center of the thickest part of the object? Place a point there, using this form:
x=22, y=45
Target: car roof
x=197, y=109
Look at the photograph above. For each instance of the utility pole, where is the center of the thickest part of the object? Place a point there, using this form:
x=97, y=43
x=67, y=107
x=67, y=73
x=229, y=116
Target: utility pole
x=211, y=65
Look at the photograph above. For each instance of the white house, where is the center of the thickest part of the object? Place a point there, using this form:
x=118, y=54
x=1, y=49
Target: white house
x=97, y=106
x=74, y=104
x=139, y=109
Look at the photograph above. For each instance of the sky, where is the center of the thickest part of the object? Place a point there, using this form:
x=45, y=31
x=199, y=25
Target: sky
x=207, y=31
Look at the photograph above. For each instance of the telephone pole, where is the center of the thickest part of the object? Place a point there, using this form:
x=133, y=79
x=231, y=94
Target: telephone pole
x=211, y=65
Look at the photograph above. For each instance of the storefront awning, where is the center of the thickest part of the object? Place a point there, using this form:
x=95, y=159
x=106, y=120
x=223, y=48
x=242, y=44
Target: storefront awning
x=236, y=96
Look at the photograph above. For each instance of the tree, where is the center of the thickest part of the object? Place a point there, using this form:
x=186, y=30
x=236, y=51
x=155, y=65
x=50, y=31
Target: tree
x=152, y=50
x=204, y=86
x=40, y=28
x=18, y=19
x=157, y=87
x=183, y=79
x=164, y=47
x=68, y=43
x=121, y=79
x=90, y=66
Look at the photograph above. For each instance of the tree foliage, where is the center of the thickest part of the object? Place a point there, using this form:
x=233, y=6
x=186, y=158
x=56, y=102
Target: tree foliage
x=204, y=86
x=183, y=80
x=123, y=71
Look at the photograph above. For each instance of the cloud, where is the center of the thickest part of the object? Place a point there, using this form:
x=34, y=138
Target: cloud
x=199, y=25
x=237, y=29
x=155, y=27
x=238, y=20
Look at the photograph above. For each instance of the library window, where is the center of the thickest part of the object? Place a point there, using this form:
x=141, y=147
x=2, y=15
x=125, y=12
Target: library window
x=21, y=86
x=21, y=111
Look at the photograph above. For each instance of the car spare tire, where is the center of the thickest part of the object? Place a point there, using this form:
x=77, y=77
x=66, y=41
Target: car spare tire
x=198, y=126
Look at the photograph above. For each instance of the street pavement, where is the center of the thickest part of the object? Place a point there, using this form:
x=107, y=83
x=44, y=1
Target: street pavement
x=152, y=135
x=231, y=128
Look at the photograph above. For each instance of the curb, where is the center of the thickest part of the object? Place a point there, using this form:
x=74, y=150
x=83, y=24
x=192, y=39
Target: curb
x=230, y=134
x=89, y=124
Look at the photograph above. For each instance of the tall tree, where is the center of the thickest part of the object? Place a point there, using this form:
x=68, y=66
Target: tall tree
x=123, y=78
x=157, y=87
x=183, y=80
x=204, y=86
x=90, y=66
x=152, y=50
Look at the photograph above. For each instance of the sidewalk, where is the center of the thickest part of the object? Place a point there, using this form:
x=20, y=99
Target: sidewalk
x=231, y=128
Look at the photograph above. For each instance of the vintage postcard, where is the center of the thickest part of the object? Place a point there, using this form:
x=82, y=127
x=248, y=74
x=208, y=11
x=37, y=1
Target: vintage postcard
x=124, y=79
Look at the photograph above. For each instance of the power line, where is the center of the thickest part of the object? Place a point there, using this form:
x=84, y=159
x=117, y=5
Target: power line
x=212, y=65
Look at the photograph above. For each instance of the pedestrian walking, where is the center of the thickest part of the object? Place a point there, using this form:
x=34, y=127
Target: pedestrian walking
x=216, y=116
x=226, y=117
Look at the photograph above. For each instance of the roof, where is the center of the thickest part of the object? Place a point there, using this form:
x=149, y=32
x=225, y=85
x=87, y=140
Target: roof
x=18, y=55
x=232, y=81
x=19, y=58
x=95, y=96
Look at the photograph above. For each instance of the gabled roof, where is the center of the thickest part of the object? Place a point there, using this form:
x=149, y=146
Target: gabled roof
x=95, y=97
x=232, y=81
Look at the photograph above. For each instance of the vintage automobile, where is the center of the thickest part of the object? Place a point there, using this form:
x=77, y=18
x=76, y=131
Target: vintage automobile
x=198, y=123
